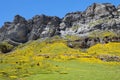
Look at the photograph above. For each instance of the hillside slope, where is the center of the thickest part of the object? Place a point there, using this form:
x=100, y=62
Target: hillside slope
x=54, y=58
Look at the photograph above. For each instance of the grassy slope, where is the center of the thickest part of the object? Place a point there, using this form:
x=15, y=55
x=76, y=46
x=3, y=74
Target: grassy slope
x=74, y=70
x=31, y=62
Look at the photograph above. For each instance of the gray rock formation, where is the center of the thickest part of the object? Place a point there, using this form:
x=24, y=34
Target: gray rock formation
x=43, y=26
x=100, y=10
x=97, y=17
x=21, y=30
x=94, y=21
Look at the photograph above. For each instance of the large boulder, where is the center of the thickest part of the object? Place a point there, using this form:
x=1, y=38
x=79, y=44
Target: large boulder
x=16, y=30
x=18, y=33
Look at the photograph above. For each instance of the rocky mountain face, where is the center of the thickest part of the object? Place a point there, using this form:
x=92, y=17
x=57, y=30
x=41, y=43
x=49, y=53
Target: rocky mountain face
x=96, y=19
x=22, y=30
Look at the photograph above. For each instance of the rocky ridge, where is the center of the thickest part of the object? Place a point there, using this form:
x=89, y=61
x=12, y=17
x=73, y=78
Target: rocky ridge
x=96, y=19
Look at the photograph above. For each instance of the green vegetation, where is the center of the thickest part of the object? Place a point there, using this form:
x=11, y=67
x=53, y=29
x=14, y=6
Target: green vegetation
x=102, y=34
x=75, y=70
x=72, y=37
x=52, y=59
x=5, y=47
x=95, y=22
x=110, y=48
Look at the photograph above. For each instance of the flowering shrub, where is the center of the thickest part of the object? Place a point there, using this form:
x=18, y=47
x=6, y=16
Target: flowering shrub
x=110, y=48
x=5, y=47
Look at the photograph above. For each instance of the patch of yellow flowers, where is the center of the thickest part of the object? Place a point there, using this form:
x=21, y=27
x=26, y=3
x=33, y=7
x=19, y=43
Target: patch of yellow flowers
x=110, y=48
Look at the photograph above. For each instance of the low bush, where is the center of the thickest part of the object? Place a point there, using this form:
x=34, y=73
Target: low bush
x=6, y=47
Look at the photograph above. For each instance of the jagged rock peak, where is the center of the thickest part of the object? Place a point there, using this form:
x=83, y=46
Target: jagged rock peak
x=77, y=12
x=43, y=19
x=19, y=19
x=73, y=16
x=100, y=9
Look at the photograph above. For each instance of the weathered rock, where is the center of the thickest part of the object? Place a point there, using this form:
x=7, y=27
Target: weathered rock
x=97, y=17
x=109, y=58
x=21, y=30
x=87, y=42
x=18, y=33
x=19, y=19
x=100, y=10
x=71, y=17
x=44, y=26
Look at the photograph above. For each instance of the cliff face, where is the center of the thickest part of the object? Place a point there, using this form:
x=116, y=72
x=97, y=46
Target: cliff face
x=96, y=18
x=22, y=30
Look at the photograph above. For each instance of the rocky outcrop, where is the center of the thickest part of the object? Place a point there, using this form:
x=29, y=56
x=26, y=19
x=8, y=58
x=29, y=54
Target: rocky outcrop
x=22, y=30
x=104, y=17
x=100, y=10
x=99, y=17
x=87, y=42
x=43, y=26
x=109, y=58
x=16, y=30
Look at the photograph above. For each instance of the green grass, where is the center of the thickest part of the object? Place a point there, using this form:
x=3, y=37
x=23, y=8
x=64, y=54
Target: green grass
x=75, y=70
